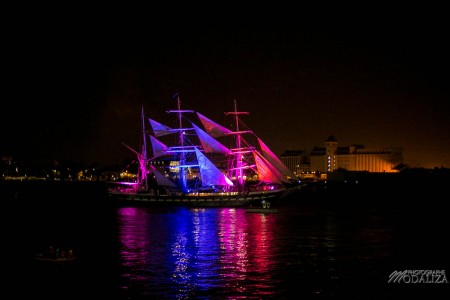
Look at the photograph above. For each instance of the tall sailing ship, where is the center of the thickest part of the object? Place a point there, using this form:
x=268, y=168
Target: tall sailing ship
x=200, y=169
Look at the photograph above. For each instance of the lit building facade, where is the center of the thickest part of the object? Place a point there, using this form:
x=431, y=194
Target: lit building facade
x=296, y=161
x=354, y=158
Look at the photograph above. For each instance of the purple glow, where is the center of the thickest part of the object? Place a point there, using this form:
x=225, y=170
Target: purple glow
x=242, y=236
x=197, y=250
x=127, y=183
x=262, y=244
x=210, y=174
x=210, y=145
x=132, y=236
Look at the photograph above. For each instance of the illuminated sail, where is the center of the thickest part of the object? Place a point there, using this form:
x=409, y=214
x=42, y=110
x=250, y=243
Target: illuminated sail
x=275, y=161
x=159, y=148
x=196, y=153
x=212, y=128
x=209, y=144
x=209, y=173
x=267, y=172
x=160, y=129
x=161, y=179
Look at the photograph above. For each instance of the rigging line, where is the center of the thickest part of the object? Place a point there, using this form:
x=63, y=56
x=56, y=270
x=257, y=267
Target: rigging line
x=189, y=142
x=244, y=124
x=185, y=118
x=246, y=143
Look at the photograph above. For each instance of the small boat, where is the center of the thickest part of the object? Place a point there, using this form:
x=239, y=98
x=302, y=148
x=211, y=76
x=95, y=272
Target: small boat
x=208, y=166
x=55, y=262
x=56, y=255
x=265, y=208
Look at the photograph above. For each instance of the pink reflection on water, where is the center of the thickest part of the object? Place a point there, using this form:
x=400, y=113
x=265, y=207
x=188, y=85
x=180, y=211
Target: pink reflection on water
x=262, y=237
x=133, y=241
x=234, y=241
x=197, y=249
x=243, y=236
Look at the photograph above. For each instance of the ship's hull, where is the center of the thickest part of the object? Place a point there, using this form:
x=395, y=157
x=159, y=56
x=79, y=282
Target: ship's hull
x=252, y=199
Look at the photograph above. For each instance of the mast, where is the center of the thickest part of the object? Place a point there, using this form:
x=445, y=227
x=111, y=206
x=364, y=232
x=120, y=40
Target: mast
x=181, y=138
x=181, y=131
x=238, y=168
x=142, y=178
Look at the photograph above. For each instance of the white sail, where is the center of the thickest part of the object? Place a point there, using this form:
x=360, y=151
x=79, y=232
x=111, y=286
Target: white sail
x=212, y=128
x=209, y=173
x=266, y=171
x=275, y=161
x=209, y=144
x=161, y=179
x=160, y=129
x=159, y=148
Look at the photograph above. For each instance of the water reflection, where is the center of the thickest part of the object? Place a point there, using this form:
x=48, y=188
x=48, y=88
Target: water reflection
x=195, y=251
x=134, y=251
x=246, y=250
x=187, y=253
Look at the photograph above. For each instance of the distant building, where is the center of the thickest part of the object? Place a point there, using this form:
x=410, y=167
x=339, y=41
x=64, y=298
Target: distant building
x=354, y=158
x=296, y=161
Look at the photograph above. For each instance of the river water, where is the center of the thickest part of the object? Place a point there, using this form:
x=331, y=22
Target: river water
x=337, y=243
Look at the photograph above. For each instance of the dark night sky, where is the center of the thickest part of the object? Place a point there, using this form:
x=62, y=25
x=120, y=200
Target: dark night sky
x=75, y=91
